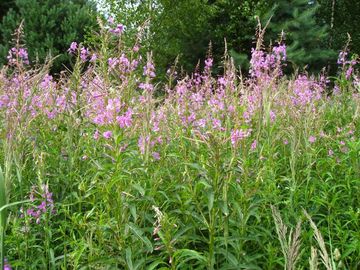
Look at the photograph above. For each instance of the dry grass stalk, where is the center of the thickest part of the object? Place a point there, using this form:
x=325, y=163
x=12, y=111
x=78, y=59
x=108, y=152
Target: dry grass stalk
x=313, y=260
x=320, y=240
x=291, y=246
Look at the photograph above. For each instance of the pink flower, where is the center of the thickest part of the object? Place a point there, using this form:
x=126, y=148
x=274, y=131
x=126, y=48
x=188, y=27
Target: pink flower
x=73, y=47
x=111, y=20
x=280, y=52
x=93, y=57
x=156, y=155
x=286, y=142
x=84, y=53
x=312, y=139
x=216, y=124
x=125, y=120
x=146, y=86
x=46, y=205
x=6, y=265
x=118, y=30
x=237, y=135
x=136, y=48
x=342, y=57
x=272, y=116
x=112, y=62
x=142, y=143
x=222, y=81
x=149, y=70
x=107, y=134
x=254, y=145
x=96, y=135
x=208, y=63
x=330, y=153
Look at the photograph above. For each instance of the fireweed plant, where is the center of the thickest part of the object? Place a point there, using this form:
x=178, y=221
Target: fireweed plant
x=220, y=172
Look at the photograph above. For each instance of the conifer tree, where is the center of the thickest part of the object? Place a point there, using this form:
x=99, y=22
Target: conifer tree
x=304, y=36
x=49, y=27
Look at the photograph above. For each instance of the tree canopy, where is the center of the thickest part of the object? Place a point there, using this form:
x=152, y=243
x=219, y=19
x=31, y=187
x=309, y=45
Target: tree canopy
x=315, y=31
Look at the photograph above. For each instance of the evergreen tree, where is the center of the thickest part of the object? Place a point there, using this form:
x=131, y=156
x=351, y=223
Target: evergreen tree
x=49, y=27
x=5, y=5
x=304, y=36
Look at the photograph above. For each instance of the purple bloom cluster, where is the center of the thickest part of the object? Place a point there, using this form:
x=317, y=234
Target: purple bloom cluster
x=347, y=66
x=7, y=266
x=116, y=29
x=16, y=54
x=149, y=70
x=85, y=54
x=45, y=207
x=22, y=99
x=238, y=135
x=306, y=90
x=265, y=65
x=73, y=47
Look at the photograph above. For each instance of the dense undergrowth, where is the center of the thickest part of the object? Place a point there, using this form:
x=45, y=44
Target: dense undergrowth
x=227, y=172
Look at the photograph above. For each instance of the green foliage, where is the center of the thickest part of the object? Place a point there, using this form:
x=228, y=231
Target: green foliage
x=304, y=36
x=49, y=27
x=5, y=5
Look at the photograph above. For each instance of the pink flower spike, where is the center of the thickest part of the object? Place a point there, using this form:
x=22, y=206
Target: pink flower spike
x=96, y=135
x=6, y=265
x=136, y=48
x=272, y=116
x=93, y=57
x=73, y=47
x=111, y=20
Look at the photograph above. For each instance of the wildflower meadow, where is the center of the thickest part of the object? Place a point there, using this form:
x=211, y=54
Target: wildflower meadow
x=105, y=167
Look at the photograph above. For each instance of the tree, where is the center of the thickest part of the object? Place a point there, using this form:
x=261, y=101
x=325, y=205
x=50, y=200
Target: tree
x=304, y=36
x=5, y=5
x=236, y=22
x=343, y=18
x=49, y=27
x=186, y=28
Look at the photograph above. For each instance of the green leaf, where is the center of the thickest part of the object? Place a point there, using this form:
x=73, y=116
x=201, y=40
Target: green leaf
x=155, y=265
x=210, y=196
x=182, y=256
x=138, y=232
x=128, y=259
